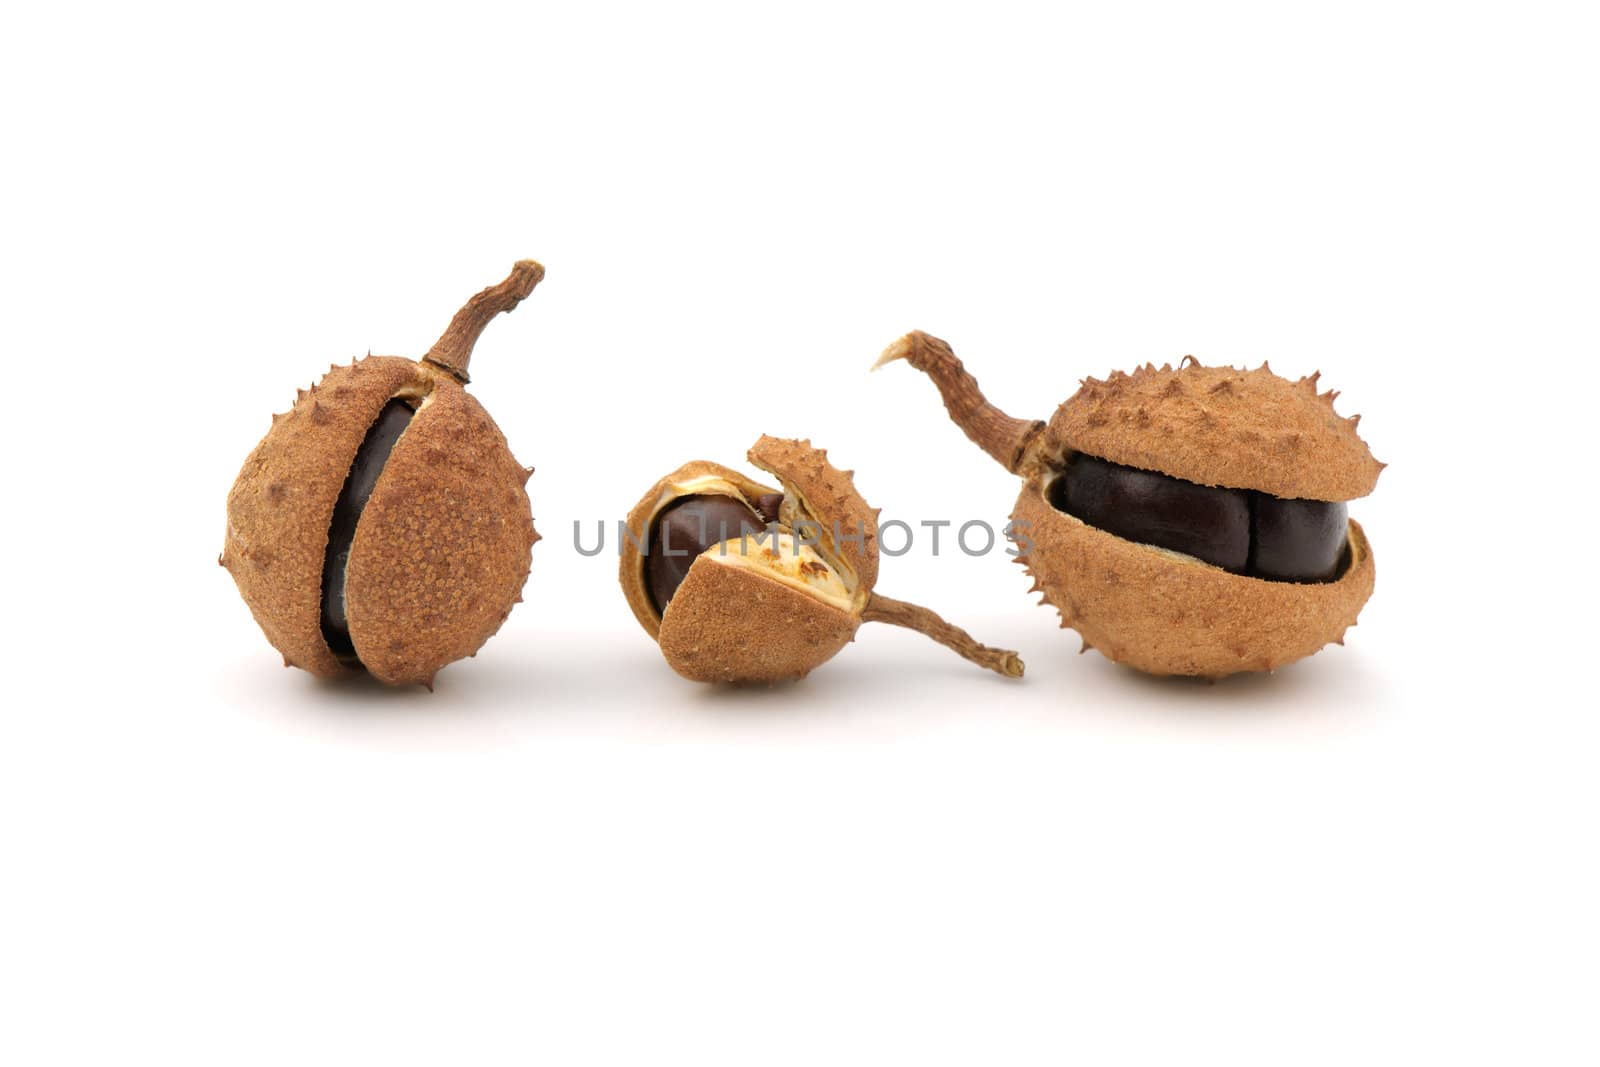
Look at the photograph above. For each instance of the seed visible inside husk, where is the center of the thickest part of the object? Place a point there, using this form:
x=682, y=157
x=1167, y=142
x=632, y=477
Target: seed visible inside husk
x=1299, y=540
x=382, y=524
x=358, y=486
x=1198, y=520
x=741, y=583
x=1239, y=530
x=768, y=505
x=690, y=526
x=1149, y=572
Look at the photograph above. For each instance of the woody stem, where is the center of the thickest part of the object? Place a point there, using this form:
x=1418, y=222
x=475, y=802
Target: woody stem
x=914, y=617
x=1003, y=437
x=453, y=350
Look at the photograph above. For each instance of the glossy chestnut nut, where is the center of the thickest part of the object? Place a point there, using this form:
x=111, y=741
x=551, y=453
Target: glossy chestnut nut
x=1241, y=531
x=358, y=486
x=1298, y=540
x=1198, y=520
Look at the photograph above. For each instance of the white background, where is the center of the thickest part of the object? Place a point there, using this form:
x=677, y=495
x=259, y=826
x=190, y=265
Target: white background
x=566, y=854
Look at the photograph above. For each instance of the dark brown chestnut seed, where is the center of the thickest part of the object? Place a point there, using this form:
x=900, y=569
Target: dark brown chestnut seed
x=1202, y=521
x=1298, y=540
x=1239, y=530
x=358, y=485
x=687, y=528
x=768, y=505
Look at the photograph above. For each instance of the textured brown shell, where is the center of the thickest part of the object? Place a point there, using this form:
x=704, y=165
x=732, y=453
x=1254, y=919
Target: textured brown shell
x=1169, y=614
x=1218, y=426
x=729, y=624
x=631, y=561
x=829, y=496
x=281, y=505
x=444, y=544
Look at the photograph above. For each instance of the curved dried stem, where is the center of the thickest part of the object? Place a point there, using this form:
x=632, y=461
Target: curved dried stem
x=1003, y=437
x=453, y=351
x=914, y=617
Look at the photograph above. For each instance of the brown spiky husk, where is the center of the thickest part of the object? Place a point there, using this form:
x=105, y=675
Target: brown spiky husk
x=1218, y=426
x=729, y=624
x=641, y=521
x=280, y=507
x=1169, y=614
x=442, y=549
x=444, y=545
x=732, y=624
x=828, y=495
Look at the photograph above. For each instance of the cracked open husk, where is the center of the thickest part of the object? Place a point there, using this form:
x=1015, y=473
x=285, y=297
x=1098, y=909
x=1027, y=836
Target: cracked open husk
x=775, y=607
x=444, y=542
x=1156, y=610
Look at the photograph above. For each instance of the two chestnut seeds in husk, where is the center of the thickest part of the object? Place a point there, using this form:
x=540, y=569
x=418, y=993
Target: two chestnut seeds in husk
x=1187, y=521
x=1184, y=522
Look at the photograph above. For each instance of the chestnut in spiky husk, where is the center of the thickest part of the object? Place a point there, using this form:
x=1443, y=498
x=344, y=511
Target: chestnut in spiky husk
x=742, y=582
x=382, y=523
x=1187, y=521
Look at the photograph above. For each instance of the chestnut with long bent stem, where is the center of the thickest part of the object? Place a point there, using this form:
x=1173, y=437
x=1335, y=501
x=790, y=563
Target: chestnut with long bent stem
x=382, y=522
x=1243, y=531
x=723, y=608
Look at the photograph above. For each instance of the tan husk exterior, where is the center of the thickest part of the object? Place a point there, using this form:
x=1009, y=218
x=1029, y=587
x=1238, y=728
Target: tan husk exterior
x=730, y=624
x=282, y=503
x=444, y=544
x=442, y=547
x=1165, y=613
x=1217, y=426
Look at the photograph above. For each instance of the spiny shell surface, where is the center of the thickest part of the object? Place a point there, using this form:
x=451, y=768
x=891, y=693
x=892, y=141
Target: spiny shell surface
x=1165, y=613
x=1218, y=426
x=280, y=507
x=444, y=545
x=400, y=581
x=732, y=624
x=828, y=496
x=729, y=624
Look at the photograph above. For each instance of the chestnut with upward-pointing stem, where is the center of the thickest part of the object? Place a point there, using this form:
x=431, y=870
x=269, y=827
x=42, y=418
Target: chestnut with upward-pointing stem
x=742, y=582
x=1187, y=521
x=382, y=523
